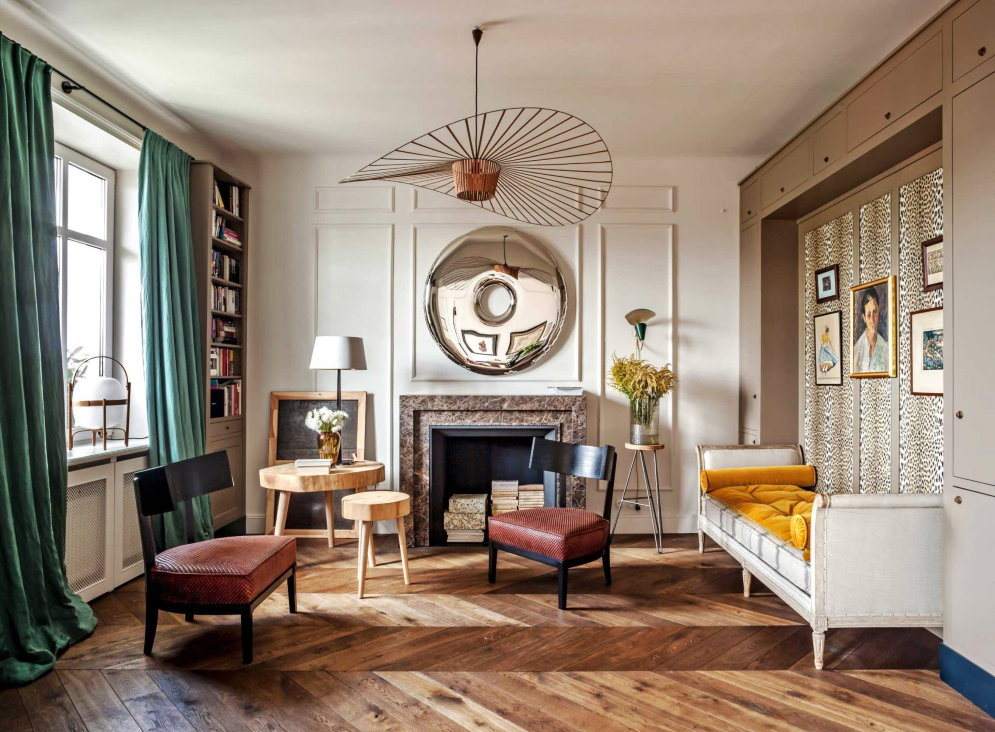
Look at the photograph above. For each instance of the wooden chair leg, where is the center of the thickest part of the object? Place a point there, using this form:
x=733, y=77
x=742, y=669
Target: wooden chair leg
x=402, y=541
x=492, y=563
x=563, y=587
x=151, y=622
x=292, y=590
x=247, y=636
x=607, y=562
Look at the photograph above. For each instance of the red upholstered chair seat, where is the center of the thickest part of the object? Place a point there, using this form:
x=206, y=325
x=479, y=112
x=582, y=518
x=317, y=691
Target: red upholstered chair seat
x=229, y=571
x=558, y=533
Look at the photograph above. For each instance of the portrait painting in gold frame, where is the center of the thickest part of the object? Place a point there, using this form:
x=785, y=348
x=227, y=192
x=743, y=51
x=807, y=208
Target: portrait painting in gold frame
x=873, y=338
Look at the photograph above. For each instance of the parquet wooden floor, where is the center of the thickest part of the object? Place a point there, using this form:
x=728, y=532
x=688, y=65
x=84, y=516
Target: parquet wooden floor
x=672, y=644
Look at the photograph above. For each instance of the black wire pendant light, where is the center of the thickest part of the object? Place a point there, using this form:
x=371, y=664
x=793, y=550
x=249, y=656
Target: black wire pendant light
x=535, y=165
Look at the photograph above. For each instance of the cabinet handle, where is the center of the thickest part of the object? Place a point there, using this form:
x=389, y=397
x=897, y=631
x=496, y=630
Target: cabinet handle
x=887, y=115
x=825, y=159
x=982, y=51
x=754, y=396
x=749, y=212
x=782, y=190
x=958, y=500
x=959, y=414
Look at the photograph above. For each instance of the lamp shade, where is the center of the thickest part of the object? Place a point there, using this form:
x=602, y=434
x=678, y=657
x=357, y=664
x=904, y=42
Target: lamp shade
x=338, y=352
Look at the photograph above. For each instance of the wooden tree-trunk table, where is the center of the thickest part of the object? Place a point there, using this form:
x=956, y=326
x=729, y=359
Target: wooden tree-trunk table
x=286, y=479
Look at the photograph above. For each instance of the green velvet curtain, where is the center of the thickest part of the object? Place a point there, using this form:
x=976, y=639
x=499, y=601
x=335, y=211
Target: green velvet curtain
x=174, y=358
x=39, y=615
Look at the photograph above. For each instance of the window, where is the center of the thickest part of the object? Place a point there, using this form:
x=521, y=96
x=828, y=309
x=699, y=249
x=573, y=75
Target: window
x=84, y=199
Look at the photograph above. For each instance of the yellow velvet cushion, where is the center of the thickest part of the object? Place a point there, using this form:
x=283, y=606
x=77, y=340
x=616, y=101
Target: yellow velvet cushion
x=802, y=476
x=783, y=510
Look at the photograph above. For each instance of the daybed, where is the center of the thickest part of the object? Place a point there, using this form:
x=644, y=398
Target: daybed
x=873, y=560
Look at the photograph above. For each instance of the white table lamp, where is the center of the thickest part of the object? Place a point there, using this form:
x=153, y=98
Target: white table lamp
x=338, y=353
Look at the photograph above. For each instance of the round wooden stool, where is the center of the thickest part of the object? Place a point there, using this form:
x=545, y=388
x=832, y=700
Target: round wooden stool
x=370, y=506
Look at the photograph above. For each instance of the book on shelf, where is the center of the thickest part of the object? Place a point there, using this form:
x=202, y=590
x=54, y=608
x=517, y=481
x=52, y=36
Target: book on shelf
x=231, y=236
x=225, y=267
x=226, y=299
x=223, y=362
x=223, y=330
x=226, y=399
x=227, y=196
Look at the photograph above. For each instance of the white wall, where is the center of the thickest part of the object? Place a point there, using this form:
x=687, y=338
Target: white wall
x=351, y=260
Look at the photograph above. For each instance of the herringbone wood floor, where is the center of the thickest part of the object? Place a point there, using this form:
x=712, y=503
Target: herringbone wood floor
x=672, y=644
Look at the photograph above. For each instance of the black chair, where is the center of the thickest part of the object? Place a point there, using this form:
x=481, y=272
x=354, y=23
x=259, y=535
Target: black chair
x=560, y=537
x=227, y=576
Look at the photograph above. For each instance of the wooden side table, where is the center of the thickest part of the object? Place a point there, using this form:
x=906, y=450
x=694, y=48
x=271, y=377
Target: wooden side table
x=652, y=501
x=365, y=508
x=285, y=480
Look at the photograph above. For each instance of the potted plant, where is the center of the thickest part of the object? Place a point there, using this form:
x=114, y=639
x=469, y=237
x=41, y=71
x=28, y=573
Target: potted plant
x=328, y=424
x=644, y=385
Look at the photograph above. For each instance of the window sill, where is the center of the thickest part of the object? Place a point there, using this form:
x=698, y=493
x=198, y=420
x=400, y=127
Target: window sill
x=86, y=454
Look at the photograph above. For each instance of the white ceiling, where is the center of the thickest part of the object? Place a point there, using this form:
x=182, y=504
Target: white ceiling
x=654, y=77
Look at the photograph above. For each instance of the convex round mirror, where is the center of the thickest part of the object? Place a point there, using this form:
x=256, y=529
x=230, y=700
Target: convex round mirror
x=495, y=300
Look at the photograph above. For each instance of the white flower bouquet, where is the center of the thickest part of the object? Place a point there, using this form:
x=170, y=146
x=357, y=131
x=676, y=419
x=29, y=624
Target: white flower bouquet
x=324, y=419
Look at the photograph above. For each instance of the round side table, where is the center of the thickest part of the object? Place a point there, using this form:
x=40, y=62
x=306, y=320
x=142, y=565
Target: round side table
x=365, y=508
x=652, y=493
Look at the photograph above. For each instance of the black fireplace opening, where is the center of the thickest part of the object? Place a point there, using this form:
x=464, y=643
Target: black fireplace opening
x=465, y=459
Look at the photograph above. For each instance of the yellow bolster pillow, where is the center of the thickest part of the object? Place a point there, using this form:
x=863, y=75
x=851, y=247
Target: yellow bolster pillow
x=802, y=476
x=799, y=532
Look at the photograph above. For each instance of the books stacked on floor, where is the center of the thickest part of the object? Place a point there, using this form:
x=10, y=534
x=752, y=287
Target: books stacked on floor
x=531, y=495
x=223, y=331
x=312, y=466
x=504, y=496
x=226, y=399
x=226, y=300
x=224, y=362
x=466, y=518
x=225, y=267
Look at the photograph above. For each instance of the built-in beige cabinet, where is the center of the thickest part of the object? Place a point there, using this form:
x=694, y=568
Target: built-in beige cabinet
x=973, y=37
x=828, y=145
x=227, y=504
x=908, y=84
x=749, y=201
x=970, y=309
x=790, y=172
x=749, y=329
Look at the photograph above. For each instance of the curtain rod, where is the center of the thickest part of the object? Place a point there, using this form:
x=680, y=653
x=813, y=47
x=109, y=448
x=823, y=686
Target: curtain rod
x=70, y=85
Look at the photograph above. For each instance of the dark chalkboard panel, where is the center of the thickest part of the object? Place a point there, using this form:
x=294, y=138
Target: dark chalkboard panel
x=290, y=439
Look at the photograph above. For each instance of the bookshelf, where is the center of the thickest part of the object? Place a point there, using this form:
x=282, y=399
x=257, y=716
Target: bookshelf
x=219, y=210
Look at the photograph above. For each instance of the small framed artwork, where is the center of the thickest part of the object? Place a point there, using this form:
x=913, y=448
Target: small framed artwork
x=828, y=334
x=523, y=339
x=932, y=264
x=872, y=329
x=827, y=283
x=480, y=344
x=926, y=332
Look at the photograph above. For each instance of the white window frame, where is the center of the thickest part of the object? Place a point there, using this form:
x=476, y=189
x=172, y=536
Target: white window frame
x=67, y=156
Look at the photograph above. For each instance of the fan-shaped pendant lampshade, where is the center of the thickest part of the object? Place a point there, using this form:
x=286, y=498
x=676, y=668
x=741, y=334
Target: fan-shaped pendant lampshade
x=535, y=165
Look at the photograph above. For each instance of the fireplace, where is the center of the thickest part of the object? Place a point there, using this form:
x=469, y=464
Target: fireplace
x=467, y=459
x=424, y=416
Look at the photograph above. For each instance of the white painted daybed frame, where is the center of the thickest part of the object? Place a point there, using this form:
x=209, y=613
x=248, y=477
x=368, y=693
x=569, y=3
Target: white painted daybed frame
x=876, y=559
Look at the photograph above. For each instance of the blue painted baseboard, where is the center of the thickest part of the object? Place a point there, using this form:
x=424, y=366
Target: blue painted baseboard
x=968, y=678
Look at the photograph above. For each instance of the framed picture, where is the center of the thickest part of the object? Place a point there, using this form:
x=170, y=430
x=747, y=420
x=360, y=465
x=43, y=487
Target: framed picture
x=926, y=332
x=827, y=283
x=932, y=264
x=290, y=439
x=480, y=344
x=872, y=329
x=828, y=334
x=520, y=340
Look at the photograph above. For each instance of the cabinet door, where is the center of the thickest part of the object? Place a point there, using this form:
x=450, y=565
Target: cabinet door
x=749, y=329
x=793, y=170
x=90, y=530
x=229, y=504
x=970, y=311
x=127, y=559
x=974, y=37
x=749, y=201
x=969, y=583
x=827, y=143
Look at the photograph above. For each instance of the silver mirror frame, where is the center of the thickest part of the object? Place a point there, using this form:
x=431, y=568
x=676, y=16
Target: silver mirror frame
x=509, y=246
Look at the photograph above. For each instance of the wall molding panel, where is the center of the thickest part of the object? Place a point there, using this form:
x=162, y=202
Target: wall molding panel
x=354, y=199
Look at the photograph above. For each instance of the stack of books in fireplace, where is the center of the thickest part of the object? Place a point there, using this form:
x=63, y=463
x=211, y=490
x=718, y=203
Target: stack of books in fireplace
x=465, y=520
x=531, y=495
x=504, y=496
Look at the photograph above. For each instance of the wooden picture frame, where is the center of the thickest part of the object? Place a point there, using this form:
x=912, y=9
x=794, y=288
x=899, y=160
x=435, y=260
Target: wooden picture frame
x=353, y=440
x=932, y=280
x=925, y=381
x=829, y=324
x=884, y=295
x=835, y=270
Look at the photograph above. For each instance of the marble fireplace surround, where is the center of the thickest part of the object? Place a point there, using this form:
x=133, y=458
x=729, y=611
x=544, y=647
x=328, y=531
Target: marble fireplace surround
x=421, y=412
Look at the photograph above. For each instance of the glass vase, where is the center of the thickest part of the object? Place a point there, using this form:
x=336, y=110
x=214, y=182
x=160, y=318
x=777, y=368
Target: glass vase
x=328, y=446
x=644, y=421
